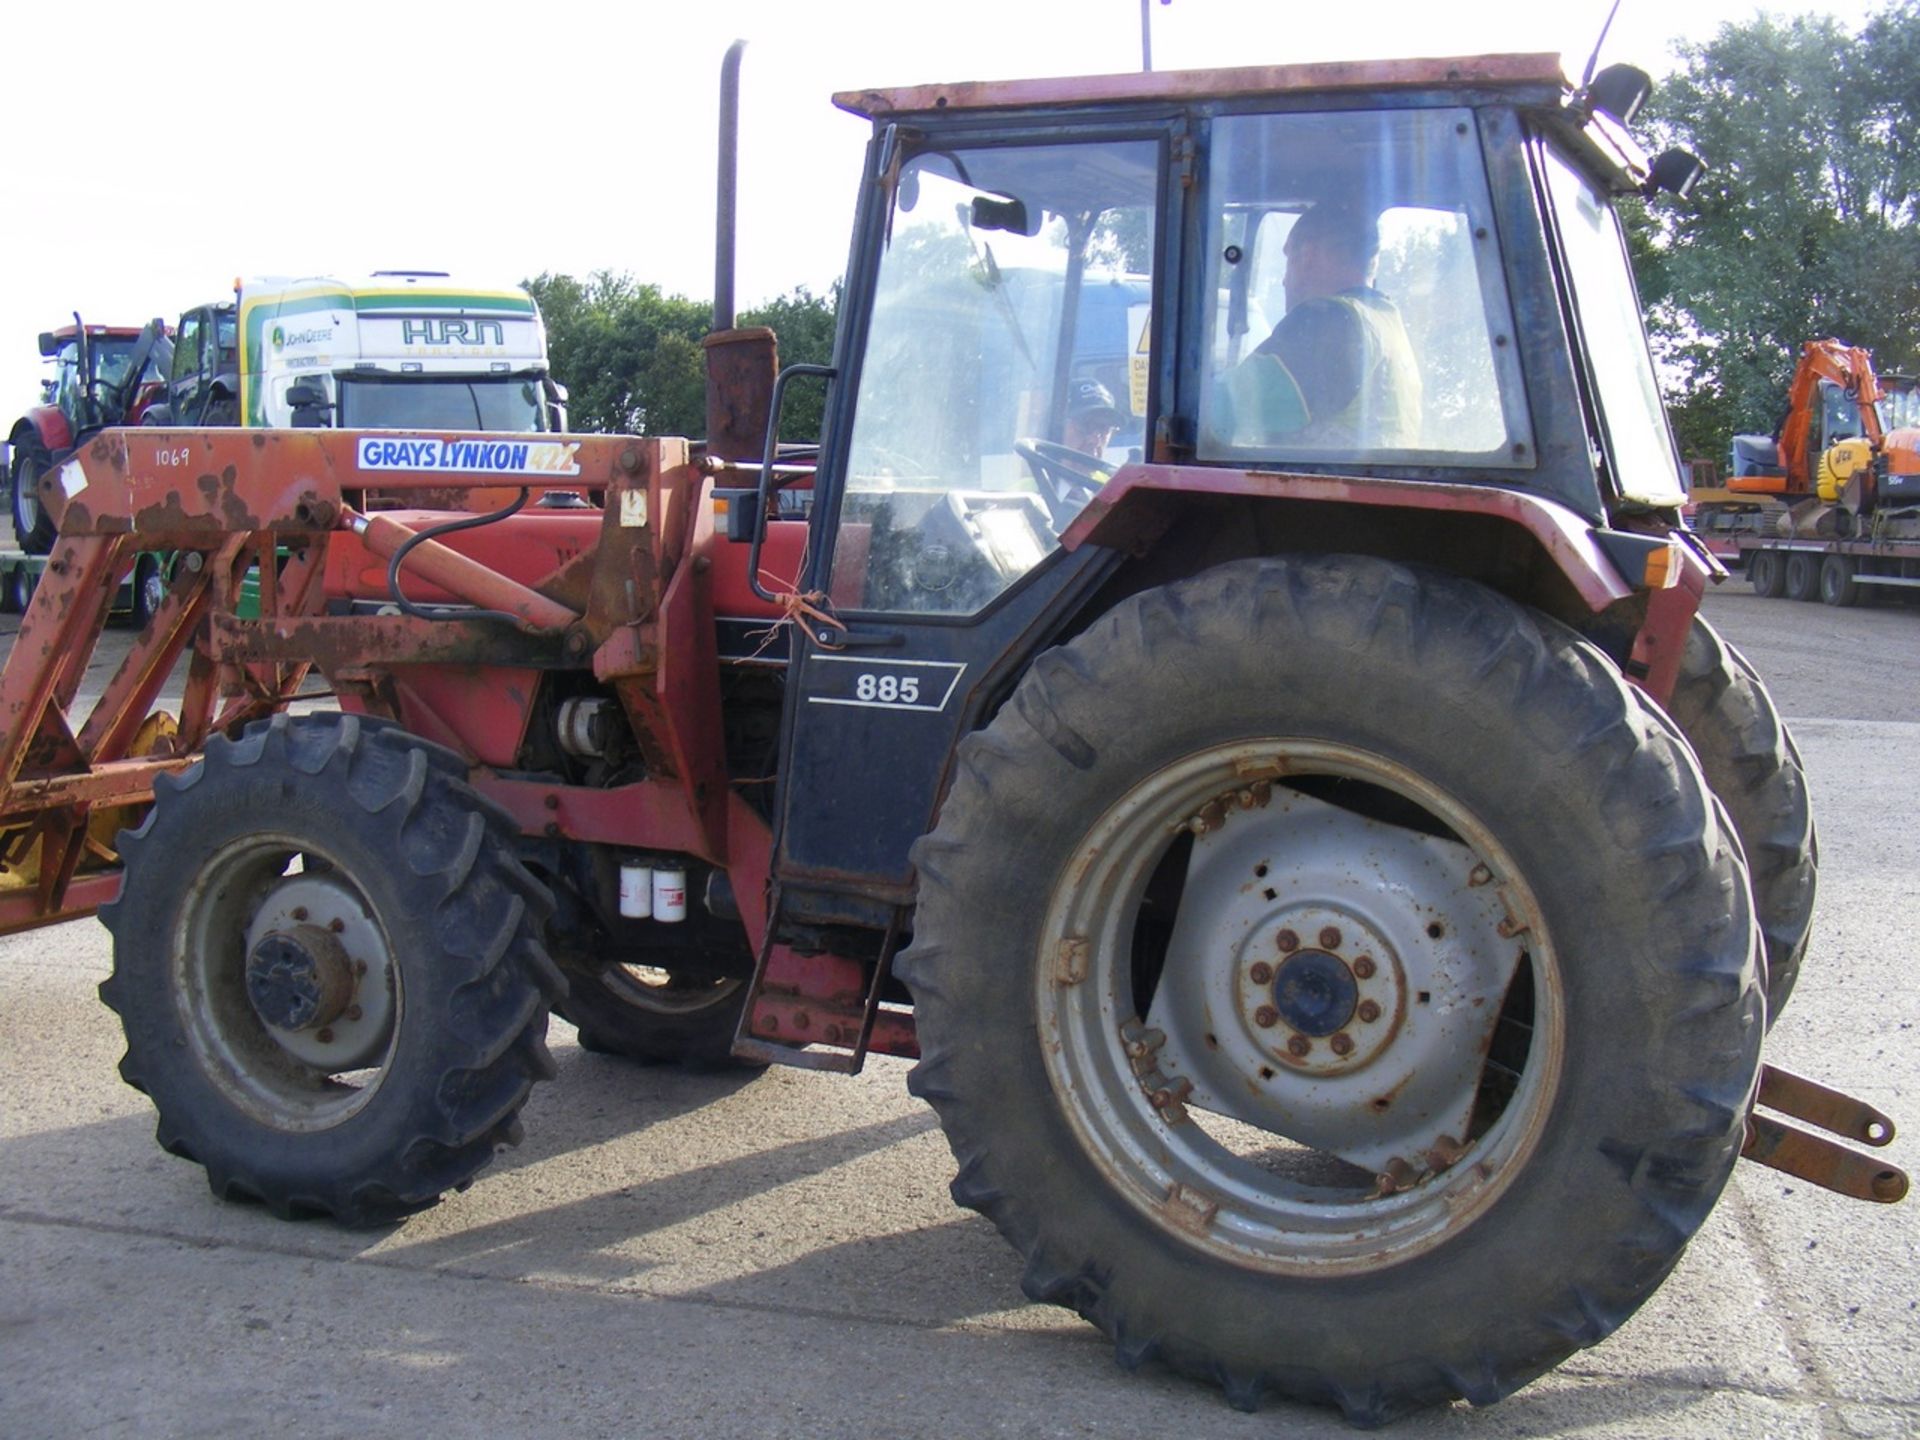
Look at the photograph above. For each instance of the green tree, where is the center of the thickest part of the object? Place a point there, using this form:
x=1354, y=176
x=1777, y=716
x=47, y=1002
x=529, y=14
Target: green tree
x=630, y=355
x=1805, y=224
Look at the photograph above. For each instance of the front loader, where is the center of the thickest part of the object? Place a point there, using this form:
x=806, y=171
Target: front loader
x=1333, y=883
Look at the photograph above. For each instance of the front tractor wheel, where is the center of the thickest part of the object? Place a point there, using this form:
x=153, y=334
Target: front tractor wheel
x=33, y=527
x=1369, y=1007
x=327, y=965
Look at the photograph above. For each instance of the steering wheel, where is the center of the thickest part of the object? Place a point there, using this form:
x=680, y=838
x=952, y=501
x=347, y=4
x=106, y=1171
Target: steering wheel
x=1068, y=478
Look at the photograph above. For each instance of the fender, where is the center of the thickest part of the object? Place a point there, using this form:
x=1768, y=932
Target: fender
x=49, y=426
x=1603, y=568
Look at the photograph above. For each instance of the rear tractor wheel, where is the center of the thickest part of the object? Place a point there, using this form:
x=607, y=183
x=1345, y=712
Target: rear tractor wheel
x=1358, y=919
x=328, y=967
x=1754, y=768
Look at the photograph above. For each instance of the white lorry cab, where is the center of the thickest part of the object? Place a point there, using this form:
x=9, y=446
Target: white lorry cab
x=397, y=349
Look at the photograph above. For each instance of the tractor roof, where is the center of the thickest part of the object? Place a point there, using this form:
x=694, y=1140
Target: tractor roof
x=1539, y=71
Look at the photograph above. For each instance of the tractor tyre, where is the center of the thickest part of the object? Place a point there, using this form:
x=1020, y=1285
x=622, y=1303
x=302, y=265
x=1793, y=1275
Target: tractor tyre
x=1368, y=1011
x=1802, y=576
x=33, y=527
x=328, y=966
x=1753, y=766
x=655, y=1016
x=1767, y=573
x=1837, y=583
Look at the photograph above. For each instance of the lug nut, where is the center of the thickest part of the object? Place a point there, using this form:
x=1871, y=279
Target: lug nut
x=1287, y=941
x=1298, y=1046
x=1266, y=1017
x=1342, y=1043
x=1364, y=967
x=1369, y=1011
x=1330, y=938
x=1260, y=973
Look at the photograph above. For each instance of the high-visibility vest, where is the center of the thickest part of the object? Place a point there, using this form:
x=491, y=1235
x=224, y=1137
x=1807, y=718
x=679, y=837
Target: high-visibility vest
x=1384, y=413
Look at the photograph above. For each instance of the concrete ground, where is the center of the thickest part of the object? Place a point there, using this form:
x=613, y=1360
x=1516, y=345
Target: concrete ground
x=714, y=1256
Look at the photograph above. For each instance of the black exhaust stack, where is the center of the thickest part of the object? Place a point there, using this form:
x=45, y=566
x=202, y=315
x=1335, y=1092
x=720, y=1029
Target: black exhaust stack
x=741, y=364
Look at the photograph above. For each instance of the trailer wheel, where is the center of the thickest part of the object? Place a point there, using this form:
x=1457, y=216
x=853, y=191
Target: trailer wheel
x=32, y=525
x=1767, y=573
x=1369, y=1010
x=1803, y=575
x=328, y=967
x=654, y=1015
x=1837, y=583
x=1753, y=766
x=147, y=587
x=16, y=591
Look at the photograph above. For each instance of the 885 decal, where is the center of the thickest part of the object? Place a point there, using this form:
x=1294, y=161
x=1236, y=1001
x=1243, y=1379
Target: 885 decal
x=882, y=684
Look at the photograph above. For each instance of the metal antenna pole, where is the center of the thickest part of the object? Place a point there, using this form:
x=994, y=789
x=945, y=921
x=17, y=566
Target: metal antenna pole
x=1146, y=35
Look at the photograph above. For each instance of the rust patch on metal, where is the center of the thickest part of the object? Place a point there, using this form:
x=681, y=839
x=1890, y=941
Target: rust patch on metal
x=1189, y=1210
x=1070, y=960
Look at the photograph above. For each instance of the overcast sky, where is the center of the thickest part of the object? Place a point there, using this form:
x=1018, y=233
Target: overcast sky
x=158, y=151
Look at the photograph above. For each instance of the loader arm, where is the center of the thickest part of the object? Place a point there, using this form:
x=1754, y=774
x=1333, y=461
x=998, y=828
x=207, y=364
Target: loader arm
x=619, y=597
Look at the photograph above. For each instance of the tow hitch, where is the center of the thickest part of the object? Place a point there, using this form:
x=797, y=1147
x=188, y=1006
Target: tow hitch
x=1780, y=1146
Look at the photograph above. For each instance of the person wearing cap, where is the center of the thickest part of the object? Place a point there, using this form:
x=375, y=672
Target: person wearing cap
x=1092, y=417
x=1337, y=371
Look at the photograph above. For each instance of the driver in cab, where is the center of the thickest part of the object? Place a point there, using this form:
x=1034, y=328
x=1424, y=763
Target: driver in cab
x=1092, y=419
x=1337, y=372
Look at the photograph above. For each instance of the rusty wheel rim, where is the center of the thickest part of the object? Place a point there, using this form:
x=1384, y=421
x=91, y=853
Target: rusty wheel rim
x=323, y=1069
x=1188, y=1085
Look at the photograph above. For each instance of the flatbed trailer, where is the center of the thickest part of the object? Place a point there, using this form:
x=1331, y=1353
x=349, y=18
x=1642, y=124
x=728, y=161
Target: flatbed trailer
x=138, y=595
x=1836, y=571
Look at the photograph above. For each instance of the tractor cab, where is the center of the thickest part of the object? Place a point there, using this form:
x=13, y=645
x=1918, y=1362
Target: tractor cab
x=1311, y=301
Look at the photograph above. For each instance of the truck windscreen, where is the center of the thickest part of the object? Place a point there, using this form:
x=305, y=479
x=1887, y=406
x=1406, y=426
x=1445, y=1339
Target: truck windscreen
x=441, y=402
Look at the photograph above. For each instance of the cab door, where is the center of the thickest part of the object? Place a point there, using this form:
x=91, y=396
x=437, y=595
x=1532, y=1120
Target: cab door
x=1000, y=279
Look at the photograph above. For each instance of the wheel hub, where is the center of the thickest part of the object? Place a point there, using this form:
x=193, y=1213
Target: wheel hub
x=1320, y=989
x=1363, y=966
x=299, y=979
x=1316, y=993
x=318, y=973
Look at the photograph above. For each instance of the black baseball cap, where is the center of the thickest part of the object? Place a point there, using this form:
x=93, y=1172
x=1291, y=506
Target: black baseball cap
x=1089, y=398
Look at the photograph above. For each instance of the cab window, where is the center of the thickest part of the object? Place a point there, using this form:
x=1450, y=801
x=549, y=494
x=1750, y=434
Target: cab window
x=1355, y=305
x=1004, y=375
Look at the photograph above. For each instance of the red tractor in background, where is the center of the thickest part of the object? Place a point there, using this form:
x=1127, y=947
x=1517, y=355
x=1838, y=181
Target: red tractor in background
x=103, y=375
x=1333, y=883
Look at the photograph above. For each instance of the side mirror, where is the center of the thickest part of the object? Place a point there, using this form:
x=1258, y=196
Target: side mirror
x=48, y=345
x=1620, y=91
x=311, y=410
x=1676, y=172
x=1009, y=215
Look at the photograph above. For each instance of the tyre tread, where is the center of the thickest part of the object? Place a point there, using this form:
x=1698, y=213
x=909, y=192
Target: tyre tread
x=486, y=912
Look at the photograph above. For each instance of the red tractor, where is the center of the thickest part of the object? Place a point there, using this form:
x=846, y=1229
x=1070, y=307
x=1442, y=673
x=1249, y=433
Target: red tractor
x=1333, y=882
x=103, y=375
